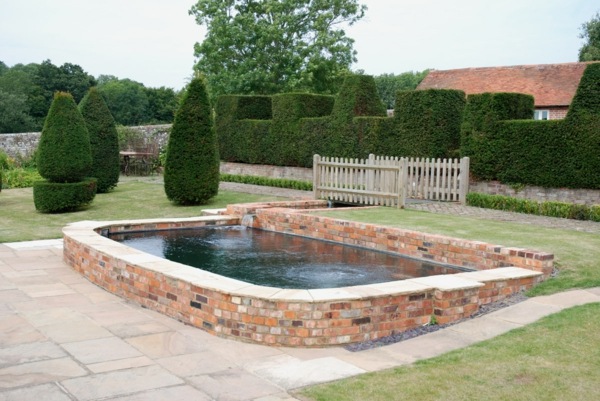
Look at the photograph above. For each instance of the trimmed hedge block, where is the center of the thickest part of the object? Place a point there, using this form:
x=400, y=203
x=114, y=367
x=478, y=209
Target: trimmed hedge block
x=54, y=197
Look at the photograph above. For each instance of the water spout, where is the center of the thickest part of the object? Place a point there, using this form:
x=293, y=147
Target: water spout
x=248, y=220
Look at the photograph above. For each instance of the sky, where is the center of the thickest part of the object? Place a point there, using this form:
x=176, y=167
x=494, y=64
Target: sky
x=152, y=41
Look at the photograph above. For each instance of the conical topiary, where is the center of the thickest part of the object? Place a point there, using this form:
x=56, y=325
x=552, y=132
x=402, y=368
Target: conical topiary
x=63, y=159
x=64, y=149
x=192, y=165
x=104, y=140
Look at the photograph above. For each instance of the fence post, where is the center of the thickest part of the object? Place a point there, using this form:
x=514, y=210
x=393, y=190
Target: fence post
x=402, y=182
x=464, y=180
x=316, y=175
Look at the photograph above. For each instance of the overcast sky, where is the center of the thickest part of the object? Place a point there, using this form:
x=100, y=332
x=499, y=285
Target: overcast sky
x=152, y=41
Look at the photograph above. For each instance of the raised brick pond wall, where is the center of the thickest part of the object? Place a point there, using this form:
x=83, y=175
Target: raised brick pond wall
x=317, y=317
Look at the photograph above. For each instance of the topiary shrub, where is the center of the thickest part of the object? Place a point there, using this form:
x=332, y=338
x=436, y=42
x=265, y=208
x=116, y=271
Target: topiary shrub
x=104, y=140
x=55, y=197
x=192, y=166
x=64, y=159
x=64, y=153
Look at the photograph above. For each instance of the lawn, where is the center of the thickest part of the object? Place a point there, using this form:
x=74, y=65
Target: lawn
x=130, y=200
x=556, y=358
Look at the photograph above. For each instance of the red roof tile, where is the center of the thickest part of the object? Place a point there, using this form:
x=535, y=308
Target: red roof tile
x=550, y=84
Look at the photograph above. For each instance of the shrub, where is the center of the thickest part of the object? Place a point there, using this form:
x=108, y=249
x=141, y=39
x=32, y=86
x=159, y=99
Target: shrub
x=268, y=182
x=57, y=197
x=549, y=209
x=19, y=177
x=104, y=140
x=192, y=164
x=64, y=149
x=63, y=159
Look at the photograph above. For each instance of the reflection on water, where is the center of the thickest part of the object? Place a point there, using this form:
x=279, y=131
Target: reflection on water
x=276, y=259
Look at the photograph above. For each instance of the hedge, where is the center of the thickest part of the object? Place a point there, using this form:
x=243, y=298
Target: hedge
x=519, y=205
x=57, y=197
x=563, y=153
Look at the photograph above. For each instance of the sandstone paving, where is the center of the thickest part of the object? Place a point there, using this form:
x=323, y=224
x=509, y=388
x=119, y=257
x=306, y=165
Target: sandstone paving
x=234, y=385
x=484, y=327
x=45, y=392
x=118, y=383
x=525, y=312
x=30, y=352
x=183, y=392
x=101, y=350
x=568, y=299
x=40, y=372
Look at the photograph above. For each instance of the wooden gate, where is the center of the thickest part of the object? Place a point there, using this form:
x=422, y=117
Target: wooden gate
x=389, y=181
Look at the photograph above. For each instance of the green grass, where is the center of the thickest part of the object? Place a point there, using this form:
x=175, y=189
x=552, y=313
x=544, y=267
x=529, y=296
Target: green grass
x=556, y=358
x=577, y=254
x=130, y=200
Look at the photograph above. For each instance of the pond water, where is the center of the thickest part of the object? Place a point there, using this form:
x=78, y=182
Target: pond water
x=278, y=260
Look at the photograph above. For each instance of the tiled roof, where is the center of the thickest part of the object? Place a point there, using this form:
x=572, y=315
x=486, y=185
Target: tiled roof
x=550, y=84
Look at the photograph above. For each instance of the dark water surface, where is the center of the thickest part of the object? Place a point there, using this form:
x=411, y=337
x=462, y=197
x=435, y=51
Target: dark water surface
x=278, y=260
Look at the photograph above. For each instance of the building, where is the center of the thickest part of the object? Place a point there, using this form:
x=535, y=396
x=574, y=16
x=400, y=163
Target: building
x=552, y=85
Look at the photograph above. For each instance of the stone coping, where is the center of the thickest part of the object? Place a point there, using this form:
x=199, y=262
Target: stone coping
x=275, y=316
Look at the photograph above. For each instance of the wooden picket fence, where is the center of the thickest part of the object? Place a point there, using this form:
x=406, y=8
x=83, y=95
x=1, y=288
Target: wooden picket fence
x=389, y=181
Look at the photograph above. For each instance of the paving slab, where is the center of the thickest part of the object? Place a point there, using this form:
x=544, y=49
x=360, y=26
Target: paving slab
x=195, y=364
x=161, y=345
x=101, y=350
x=39, y=372
x=15, y=330
x=30, y=352
x=428, y=345
x=484, y=327
x=45, y=392
x=234, y=385
x=289, y=372
x=525, y=312
x=120, y=364
x=187, y=393
x=120, y=383
x=568, y=299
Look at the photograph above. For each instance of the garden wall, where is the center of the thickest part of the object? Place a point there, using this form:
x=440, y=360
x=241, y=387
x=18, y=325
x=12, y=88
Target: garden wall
x=24, y=144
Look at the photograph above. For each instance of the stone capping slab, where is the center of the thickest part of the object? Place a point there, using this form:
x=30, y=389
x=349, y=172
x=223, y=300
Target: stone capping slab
x=274, y=316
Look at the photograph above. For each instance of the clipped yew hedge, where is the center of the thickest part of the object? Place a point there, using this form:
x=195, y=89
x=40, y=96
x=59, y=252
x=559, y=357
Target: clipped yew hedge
x=564, y=153
x=58, y=197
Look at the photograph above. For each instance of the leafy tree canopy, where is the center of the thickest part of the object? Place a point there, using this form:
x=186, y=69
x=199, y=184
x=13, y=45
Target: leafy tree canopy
x=590, y=32
x=273, y=46
x=389, y=84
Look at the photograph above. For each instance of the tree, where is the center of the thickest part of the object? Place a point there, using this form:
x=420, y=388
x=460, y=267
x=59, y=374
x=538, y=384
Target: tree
x=590, y=32
x=126, y=100
x=104, y=141
x=49, y=79
x=63, y=159
x=14, y=115
x=274, y=46
x=389, y=84
x=162, y=104
x=192, y=168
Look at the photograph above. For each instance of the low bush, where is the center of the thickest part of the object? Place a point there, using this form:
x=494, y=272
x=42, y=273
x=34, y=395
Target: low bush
x=549, y=209
x=54, y=197
x=268, y=182
x=20, y=177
